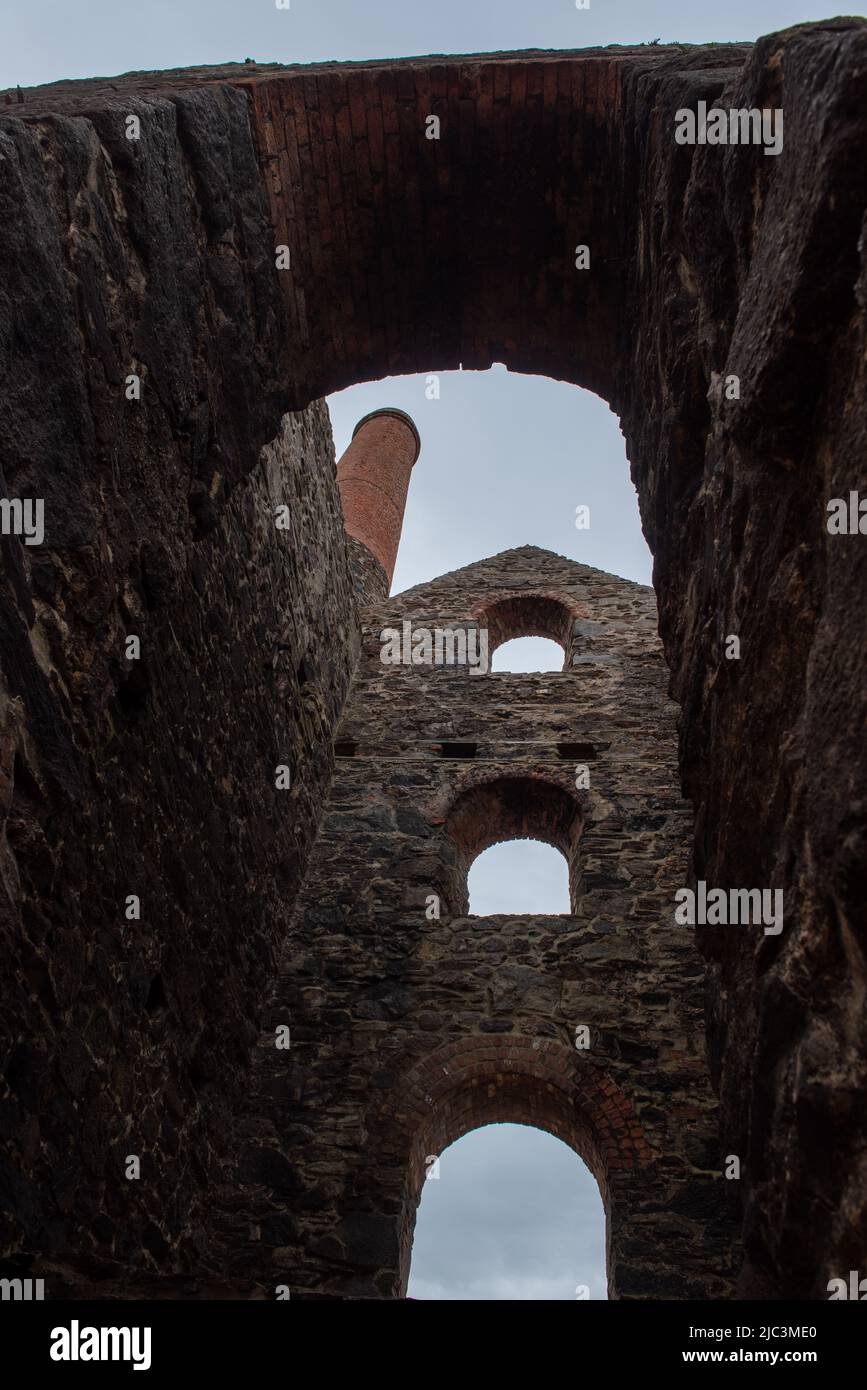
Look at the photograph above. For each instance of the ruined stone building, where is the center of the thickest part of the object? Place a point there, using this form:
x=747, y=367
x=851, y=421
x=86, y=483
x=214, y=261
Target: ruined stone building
x=252, y=823
x=415, y=1023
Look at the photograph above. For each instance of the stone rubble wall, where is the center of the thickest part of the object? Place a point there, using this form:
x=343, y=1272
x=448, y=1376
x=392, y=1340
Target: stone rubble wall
x=373, y=989
x=158, y=258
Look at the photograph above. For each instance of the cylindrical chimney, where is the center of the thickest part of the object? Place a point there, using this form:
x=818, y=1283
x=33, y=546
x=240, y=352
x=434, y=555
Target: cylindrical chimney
x=373, y=478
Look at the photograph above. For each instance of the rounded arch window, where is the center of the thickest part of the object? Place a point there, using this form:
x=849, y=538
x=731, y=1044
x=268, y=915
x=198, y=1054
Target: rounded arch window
x=513, y=808
x=517, y=617
x=485, y=1080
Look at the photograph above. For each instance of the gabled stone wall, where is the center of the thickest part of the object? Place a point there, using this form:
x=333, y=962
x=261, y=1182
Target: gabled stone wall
x=407, y=1029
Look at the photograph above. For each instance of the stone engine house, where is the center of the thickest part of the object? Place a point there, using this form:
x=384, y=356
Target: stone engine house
x=413, y=1022
x=173, y=310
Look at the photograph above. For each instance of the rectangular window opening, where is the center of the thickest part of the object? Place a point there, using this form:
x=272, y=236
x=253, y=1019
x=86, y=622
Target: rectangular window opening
x=576, y=752
x=458, y=750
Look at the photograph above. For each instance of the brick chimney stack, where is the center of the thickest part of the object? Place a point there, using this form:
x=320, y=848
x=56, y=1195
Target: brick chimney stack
x=373, y=478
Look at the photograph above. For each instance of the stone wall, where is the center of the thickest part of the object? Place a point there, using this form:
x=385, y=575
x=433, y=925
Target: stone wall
x=756, y=267
x=127, y=1035
x=407, y=1031
x=152, y=777
x=157, y=257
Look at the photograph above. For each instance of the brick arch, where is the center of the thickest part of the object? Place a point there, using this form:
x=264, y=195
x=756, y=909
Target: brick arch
x=469, y=240
x=517, y=807
x=528, y=613
x=482, y=1079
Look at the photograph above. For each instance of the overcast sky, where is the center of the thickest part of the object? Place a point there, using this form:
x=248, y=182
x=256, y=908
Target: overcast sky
x=505, y=460
x=514, y=1214
x=88, y=38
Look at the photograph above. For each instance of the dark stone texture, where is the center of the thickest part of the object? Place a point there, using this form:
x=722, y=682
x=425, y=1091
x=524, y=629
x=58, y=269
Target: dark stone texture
x=145, y=1027
x=157, y=257
x=476, y=1016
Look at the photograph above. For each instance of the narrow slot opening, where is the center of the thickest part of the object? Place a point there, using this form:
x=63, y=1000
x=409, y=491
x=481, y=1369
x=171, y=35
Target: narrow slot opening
x=571, y=752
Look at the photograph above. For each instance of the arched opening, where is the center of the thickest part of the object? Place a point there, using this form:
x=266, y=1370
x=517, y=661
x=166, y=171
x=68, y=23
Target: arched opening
x=528, y=654
x=519, y=876
x=509, y=1212
x=491, y=477
x=503, y=809
x=457, y=290
x=481, y=1080
x=527, y=615
x=419, y=230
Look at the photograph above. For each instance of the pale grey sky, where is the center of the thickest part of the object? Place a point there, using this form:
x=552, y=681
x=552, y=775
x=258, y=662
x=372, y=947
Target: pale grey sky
x=519, y=876
x=513, y=1215
x=55, y=39
x=505, y=461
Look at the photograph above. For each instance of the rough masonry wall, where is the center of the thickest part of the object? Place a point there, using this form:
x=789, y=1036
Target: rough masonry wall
x=131, y=1036
x=407, y=1031
x=409, y=255
x=757, y=267
x=152, y=777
